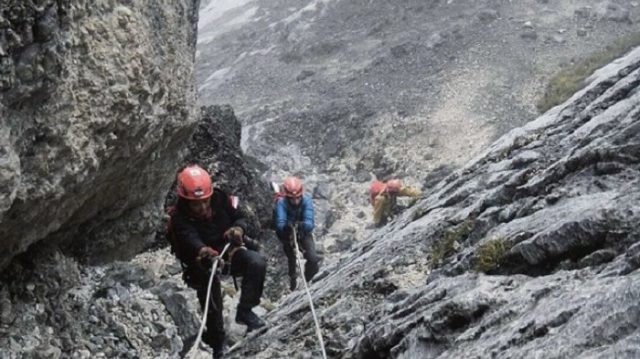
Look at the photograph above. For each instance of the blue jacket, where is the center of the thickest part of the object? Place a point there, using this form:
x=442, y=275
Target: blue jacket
x=287, y=214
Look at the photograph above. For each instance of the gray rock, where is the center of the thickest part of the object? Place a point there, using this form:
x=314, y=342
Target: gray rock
x=48, y=352
x=46, y=26
x=177, y=305
x=617, y=13
x=53, y=152
x=161, y=342
x=598, y=257
x=435, y=40
x=583, y=12
x=322, y=191
x=558, y=39
x=125, y=274
x=329, y=219
x=488, y=15
x=304, y=74
x=6, y=309
x=529, y=34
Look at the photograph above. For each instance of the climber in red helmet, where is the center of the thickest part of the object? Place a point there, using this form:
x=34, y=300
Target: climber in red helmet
x=383, y=197
x=294, y=211
x=203, y=221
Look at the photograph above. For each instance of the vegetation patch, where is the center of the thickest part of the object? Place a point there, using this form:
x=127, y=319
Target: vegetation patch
x=450, y=241
x=490, y=254
x=571, y=79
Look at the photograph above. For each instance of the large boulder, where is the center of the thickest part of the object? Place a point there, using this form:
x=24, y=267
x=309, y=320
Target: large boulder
x=96, y=99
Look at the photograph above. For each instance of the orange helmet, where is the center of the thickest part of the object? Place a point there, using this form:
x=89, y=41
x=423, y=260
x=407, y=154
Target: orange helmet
x=194, y=183
x=293, y=187
x=376, y=188
x=394, y=185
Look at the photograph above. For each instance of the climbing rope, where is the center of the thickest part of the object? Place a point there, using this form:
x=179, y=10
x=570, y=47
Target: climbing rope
x=306, y=288
x=214, y=266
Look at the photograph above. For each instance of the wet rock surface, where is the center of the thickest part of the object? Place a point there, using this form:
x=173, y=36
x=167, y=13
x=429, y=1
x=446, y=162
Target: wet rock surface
x=96, y=100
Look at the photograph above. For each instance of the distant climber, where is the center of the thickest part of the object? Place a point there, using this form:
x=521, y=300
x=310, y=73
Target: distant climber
x=294, y=211
x=383, y=197
x=202, y=222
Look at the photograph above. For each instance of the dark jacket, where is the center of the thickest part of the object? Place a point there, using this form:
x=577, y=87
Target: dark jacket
x=287, y=214
x=194, y=233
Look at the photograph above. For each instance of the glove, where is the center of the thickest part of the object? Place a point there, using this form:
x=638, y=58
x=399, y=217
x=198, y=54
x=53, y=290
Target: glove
x=234, y=235
x=205, y=256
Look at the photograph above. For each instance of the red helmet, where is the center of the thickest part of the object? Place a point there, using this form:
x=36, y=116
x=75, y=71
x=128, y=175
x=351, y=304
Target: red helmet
x=376, y=188
x=293, y=187
x=194, y=183
x=394, y=185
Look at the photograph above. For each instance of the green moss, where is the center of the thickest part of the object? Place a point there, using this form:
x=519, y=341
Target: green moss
x=571, y=79
x=491, y=254
x=448, y=244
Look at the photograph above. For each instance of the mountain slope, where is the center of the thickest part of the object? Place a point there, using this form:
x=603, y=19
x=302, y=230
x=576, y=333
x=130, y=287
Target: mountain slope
x=345, y=91
x=549, y=212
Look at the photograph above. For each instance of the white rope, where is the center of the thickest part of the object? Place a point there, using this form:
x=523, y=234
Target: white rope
x=191, y=353
x=306, y=287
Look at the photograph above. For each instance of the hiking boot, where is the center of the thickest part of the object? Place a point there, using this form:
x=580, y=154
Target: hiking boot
x=249, y=318
x=292, y=283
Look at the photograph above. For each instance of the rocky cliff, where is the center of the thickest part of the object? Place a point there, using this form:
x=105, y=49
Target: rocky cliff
x=343, y=91
x=51, y=306
x=529, y=250
x=96, y=100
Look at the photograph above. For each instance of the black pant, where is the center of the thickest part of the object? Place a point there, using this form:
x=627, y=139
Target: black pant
x=252, y=267
x=249, y=265
x=308, y=249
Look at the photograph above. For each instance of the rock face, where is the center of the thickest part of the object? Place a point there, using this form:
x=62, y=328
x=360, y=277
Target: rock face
x=96, y=99
x=343, y=91
x=141, y=308
x=137, y=309
x=530, y=250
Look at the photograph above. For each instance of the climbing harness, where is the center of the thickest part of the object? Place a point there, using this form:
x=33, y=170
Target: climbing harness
x=306, y=288
x=214, y=266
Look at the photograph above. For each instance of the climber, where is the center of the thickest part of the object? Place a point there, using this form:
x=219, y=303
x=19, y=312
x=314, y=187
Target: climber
x=294, y=211
x=383, y=197
x=203, y=221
